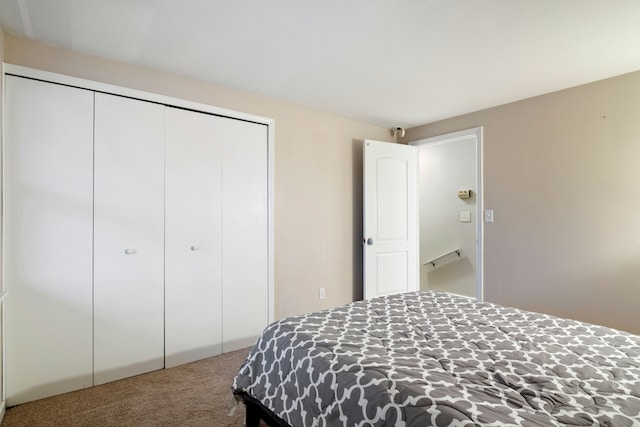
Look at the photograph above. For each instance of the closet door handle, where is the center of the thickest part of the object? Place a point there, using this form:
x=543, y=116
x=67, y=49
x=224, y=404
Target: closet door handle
x=129, y=251
x=195, y=247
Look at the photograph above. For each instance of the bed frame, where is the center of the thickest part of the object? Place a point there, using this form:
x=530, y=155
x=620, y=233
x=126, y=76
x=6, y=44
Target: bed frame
x=256, y=412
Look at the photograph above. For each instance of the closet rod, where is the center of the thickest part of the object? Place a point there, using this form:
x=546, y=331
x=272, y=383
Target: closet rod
x=433, y=260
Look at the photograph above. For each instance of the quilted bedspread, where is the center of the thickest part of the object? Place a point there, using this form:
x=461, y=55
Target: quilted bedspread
x=436, y=359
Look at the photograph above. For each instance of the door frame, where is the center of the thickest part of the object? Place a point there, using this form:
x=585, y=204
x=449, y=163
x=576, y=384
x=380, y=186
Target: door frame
x=456, y=136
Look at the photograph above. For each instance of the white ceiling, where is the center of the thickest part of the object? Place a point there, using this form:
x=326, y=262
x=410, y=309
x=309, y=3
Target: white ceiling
x=386, y=62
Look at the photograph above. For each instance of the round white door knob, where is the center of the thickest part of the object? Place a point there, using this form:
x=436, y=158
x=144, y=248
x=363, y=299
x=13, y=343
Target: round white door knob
x=195, y=247
x=129, y=251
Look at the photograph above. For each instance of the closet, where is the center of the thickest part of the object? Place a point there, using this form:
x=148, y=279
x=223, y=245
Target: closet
x=135, y=236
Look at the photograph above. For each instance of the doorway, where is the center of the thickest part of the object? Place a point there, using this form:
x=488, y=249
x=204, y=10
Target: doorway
x=450, y=212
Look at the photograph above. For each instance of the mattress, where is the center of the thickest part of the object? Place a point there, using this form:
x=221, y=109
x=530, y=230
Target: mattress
x=437, y=359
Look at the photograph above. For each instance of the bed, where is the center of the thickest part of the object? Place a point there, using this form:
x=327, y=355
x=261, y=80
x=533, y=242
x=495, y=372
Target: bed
x=437, y=359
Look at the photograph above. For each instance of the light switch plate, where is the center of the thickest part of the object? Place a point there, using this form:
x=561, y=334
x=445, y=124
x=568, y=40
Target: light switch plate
x=488, y=215
x=465, y=216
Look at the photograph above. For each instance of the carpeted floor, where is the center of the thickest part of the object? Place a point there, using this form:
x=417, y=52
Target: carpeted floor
x=196, y=394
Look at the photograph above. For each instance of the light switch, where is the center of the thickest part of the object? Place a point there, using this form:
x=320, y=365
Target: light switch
x=465, y=216
x=488, y=215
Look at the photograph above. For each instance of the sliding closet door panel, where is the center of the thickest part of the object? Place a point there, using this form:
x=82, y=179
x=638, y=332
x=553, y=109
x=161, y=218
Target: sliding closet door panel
x=47, y=238
x=193, y=276
x=129, y=237
x=245, y=239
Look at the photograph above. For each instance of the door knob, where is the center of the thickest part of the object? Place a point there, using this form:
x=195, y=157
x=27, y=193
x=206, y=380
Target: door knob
x=129, y=251
x=195, y=247
x=369, y=241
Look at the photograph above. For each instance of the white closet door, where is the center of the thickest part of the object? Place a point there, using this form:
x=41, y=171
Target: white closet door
x=129, y=238
x=245, y=237
x=193, y=271
x=47, y=238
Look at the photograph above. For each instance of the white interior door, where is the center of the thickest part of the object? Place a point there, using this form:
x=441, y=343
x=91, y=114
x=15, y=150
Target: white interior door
x=48, y=219
x=390, y=219
x=193, y=237
x=245, y=265
x=128, y=237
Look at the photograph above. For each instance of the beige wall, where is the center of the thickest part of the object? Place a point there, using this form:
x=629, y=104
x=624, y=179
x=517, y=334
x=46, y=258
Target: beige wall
x=561, y=172
x=318, y=174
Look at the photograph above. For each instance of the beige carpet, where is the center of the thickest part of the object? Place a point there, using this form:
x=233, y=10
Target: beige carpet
x=197, y=394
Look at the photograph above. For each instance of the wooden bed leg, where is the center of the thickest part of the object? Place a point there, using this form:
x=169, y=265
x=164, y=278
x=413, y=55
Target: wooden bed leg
x=252, y=414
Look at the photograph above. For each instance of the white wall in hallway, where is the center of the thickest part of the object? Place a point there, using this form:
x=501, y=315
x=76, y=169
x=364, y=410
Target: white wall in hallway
x=446, y=168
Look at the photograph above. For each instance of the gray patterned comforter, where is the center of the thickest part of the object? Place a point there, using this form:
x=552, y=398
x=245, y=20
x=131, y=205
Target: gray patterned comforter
x=434, y=359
